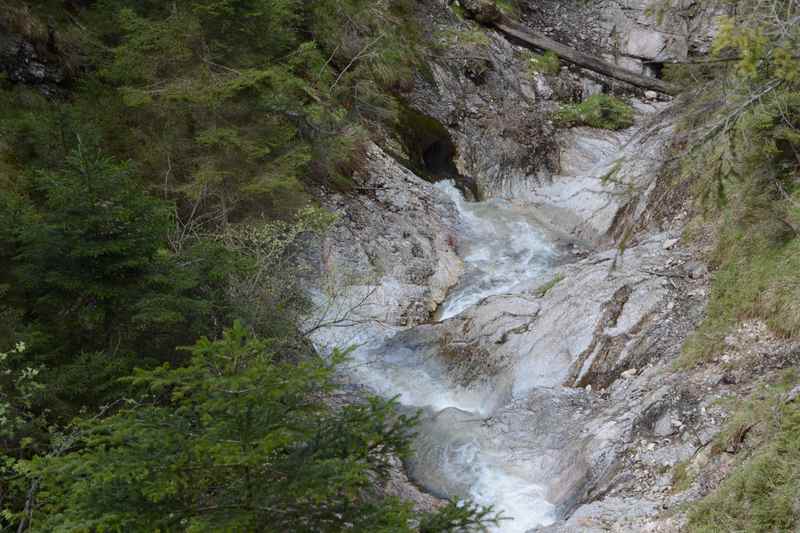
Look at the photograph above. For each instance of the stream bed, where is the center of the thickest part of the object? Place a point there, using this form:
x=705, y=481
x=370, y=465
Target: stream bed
x=456, y=455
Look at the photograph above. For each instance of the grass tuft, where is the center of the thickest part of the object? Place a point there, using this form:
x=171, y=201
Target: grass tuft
x=543, y=289
x=547, y=63
x=598, y=111
x=763, y=494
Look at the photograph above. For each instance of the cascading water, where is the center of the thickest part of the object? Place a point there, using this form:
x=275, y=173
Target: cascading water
x=456, y=457
x=501, y=247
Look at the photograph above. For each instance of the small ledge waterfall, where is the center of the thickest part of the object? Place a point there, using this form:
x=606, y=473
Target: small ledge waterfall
x=456, y=456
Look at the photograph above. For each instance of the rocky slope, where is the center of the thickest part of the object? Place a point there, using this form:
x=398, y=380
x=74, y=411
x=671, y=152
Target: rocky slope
x=576, y=368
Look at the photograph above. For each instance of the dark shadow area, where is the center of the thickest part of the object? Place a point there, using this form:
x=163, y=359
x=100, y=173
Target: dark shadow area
x=431, y=151
x=654, y=69
x=438, y=158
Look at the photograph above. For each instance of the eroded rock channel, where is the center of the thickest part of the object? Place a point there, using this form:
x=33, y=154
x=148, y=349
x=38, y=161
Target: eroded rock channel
x=529, y=315
x=538, y=351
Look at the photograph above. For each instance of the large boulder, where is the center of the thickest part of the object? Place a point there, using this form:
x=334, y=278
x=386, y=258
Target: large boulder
x=390, y=257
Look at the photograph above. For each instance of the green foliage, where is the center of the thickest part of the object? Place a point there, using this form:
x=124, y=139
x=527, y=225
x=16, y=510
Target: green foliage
x=547, y=63
x=229, y=104
x=471, y=37
x=691, y=75
x=749, y=180
x=18, y=389
x=741, y=131
x=598, y=111
x=21, y=424
x=459, y=11
x=761, y=495
x=194, y=119
x=757, y=279
x=682, y=476
x=162, y=195
x=744, y=141
x=508, y=7
x=235, y=440
x=88, y=245
x=272, y=297
x=92, y=285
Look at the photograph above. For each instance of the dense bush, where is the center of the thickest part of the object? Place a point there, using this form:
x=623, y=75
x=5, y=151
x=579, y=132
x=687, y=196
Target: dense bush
x=743, y=139
x=160, y=196
x=598, y=111
x=234, y=440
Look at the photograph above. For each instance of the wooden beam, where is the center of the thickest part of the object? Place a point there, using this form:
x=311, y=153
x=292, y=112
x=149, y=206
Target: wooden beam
x=580, y=59
x=485, y=12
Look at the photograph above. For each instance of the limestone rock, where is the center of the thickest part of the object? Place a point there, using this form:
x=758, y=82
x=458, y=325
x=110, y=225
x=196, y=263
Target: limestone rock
x=391, y=252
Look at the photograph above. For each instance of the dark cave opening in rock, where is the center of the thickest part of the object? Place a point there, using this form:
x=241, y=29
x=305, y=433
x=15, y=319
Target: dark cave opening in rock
x=431, y=152
x=654, y=69
x=438, y=158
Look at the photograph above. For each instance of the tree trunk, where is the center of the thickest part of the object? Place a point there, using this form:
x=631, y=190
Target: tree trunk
x=481, y=10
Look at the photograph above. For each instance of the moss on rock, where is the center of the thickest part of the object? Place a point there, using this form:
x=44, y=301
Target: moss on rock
x=598, y=111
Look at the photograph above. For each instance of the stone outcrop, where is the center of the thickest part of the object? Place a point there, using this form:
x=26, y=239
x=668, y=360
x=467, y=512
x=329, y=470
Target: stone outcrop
x=496, y=118
x=557, y=357
x=635, y=34
x=605, y=175
x=390, y=257
x=28, y=61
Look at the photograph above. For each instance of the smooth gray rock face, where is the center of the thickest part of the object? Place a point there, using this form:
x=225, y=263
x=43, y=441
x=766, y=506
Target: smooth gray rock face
x=559, y=337
x=529, y=350
x=645, y=43
x=544, y=369
x=629, y=32
x=390, y=257
x=604, y=173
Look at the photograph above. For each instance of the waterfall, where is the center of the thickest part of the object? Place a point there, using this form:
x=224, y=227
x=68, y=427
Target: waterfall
x=455, y=456
x=501, y=247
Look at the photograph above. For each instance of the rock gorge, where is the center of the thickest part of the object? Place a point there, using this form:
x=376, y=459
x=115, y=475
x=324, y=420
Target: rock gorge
x=400, y=265
x=554, y=397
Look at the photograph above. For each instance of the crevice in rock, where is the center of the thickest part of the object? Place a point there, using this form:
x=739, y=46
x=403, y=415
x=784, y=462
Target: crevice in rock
x=602, y=345
x=431, y=151
x=654, y=69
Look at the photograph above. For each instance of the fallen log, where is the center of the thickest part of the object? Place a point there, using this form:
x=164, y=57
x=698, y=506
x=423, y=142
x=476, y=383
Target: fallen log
x=485, y=12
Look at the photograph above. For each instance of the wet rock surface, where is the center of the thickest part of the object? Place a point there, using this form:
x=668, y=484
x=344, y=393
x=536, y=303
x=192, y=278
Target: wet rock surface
x=577, y=372
x=557, y=396
x=390, y=257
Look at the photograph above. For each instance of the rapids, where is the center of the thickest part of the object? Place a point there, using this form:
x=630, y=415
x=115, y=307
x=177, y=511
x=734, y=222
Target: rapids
x=455, y=456
x=501, y=247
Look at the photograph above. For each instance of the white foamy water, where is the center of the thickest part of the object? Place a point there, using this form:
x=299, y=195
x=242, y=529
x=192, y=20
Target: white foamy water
x=501, y=247
x=521, y=501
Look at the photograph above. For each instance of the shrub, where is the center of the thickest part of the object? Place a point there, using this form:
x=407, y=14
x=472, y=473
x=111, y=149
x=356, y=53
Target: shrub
x=598, y=111
x=237, y=441
x=547, y=63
